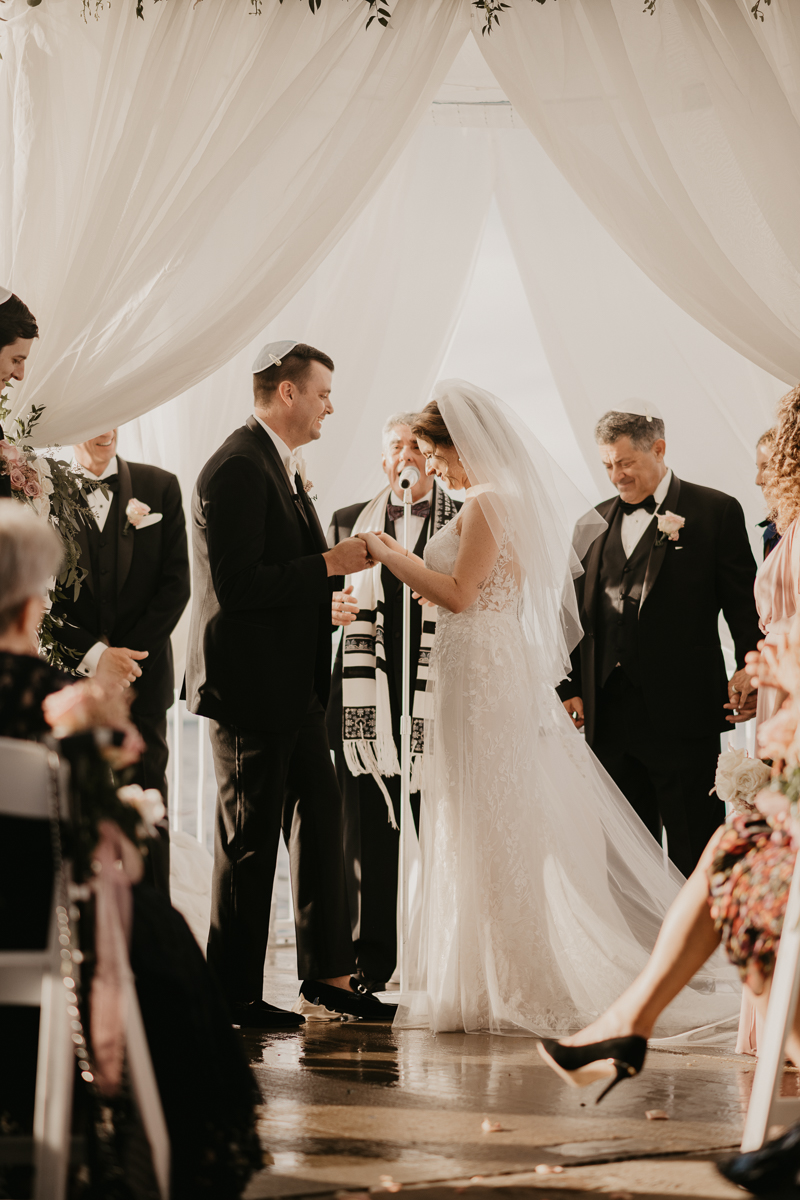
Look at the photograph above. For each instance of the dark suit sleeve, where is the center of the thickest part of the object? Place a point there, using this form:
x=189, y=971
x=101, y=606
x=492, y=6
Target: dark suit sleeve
x=159, y=618
x=571, y=686
x=72, y=637
x=236, y=505
x=736, y=574
x=333, y=539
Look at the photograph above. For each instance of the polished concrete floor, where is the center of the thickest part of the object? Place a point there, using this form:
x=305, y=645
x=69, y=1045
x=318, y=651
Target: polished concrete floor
x=356, y=1107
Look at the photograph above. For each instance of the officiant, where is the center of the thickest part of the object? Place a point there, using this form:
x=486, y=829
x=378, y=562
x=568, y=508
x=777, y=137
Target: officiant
x=134, y=551
x=364, y=709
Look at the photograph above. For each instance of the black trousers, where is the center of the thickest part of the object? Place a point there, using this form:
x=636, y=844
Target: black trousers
x=268, y=783
x=151, y=772
x=666, y=780
x=371, y=851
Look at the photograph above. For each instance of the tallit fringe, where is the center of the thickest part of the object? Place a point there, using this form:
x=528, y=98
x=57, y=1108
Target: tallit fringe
x=361, y=759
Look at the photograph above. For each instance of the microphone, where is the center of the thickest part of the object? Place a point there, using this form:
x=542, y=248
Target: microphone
x=408, y=477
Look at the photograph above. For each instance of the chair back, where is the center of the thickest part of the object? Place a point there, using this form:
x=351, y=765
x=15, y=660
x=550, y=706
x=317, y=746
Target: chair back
x=26, y=779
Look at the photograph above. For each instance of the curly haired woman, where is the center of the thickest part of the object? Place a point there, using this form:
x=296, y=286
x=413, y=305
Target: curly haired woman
x=778, y=579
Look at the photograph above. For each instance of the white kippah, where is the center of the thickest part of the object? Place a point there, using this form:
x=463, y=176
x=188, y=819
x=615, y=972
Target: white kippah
x=5, y=294
x=640, y=408
x=272, y=355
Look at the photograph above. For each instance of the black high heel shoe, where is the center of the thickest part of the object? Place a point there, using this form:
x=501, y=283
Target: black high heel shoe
x=581, y=1065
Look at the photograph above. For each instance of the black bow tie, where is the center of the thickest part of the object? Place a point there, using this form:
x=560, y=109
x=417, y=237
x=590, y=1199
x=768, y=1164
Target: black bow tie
x=111, y=482
x=649, y=504
x=420, y=509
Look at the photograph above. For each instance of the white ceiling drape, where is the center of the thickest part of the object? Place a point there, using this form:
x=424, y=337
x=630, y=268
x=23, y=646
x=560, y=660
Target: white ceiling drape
x=383, y=304
x=681, y=132
x=171, y=183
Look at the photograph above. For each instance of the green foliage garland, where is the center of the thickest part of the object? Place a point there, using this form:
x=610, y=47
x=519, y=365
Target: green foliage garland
x=62, y=502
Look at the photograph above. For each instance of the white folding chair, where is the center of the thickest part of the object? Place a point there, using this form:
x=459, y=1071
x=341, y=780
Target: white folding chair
x=767, y=1107
x=31, y=777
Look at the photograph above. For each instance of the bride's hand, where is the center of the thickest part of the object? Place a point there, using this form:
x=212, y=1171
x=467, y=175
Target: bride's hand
x=375, y=547
x=391, y=543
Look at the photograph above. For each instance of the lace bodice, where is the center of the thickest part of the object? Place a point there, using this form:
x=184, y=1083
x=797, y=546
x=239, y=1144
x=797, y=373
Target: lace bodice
x=498, y=593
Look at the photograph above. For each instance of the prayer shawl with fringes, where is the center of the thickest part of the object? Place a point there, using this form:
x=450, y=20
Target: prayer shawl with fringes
x=369, y=745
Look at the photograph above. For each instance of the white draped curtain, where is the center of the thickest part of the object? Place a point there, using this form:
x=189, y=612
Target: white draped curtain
x=680, y=132
x=173, y=182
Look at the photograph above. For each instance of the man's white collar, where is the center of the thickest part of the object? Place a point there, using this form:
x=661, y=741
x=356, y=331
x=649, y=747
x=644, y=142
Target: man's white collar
x=111, y=469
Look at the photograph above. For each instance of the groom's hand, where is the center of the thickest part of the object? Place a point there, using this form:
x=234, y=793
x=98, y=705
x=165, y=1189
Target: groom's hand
x=574, y=709
x=344, y=608
x=347, y=557
x=742, y=698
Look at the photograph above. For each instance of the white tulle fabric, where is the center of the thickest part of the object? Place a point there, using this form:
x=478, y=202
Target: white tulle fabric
x=542, y=891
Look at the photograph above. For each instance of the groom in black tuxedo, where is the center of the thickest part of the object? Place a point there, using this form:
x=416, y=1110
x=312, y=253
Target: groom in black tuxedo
x=136, y=588
x=648, y=681
x=259, y=667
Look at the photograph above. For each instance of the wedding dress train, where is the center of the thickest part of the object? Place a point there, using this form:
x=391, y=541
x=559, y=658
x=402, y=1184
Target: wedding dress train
x=542, y=891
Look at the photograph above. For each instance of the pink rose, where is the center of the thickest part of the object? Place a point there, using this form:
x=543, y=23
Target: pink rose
x=32, y=489
x=17, y=478
x=670, y=524
x=771, y=804
x=10, y=453
x=135, y=511
x=147, y=802
x=776, y=737
x=73, y=709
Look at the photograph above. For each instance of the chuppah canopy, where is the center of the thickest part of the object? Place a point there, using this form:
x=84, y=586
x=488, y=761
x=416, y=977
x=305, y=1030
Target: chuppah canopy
x=161, y=211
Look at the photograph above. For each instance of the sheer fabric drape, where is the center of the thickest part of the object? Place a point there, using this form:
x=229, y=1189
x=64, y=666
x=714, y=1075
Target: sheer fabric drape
x=680, y=132
x=171, y=183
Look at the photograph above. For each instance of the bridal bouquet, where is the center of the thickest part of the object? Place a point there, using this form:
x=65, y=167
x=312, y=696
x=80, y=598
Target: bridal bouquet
x=739, y=779
x=54, y=491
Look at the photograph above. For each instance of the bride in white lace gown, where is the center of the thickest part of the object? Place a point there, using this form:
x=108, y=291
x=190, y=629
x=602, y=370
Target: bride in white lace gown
x=542, y=891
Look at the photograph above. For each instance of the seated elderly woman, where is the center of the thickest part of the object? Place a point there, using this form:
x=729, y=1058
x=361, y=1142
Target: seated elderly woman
x=207, y=1090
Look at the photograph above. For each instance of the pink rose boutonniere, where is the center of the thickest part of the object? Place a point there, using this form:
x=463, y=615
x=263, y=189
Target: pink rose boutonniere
x=669, y=527
x=139, y=515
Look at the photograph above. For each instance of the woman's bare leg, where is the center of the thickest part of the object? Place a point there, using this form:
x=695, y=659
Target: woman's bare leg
x=686, y=940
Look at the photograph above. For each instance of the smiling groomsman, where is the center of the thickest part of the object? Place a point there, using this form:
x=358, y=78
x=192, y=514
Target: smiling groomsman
x=137, y=585
x=648, y=681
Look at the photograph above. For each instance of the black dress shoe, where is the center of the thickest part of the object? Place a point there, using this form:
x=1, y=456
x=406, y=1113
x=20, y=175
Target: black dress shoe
x=260, y=1015
x=352, y=1002
x=359, y=983
x=771, y=1171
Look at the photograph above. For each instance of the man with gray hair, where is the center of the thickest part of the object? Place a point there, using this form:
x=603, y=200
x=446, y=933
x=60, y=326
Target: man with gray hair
x=364, y=706
x=648, y=682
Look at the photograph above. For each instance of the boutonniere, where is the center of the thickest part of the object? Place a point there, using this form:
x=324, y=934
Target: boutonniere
x=669, y=527
x=307, y=488
x=139, y=516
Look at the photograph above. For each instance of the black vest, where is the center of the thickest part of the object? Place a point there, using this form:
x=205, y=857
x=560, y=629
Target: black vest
x=103, y=553
x=619, y=592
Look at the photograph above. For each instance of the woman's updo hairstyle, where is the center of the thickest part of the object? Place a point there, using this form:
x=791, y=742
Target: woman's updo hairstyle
x=430, y=426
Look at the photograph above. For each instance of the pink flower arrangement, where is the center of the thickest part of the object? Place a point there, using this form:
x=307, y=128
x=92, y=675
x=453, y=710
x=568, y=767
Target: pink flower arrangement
x=21, y=472
x=777, y=737
x=86, y=705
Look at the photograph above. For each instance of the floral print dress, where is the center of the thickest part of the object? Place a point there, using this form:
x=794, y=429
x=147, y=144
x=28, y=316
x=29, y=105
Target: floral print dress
x=749, y=880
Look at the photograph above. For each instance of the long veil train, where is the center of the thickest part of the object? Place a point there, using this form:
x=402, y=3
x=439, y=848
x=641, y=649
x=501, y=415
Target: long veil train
x=542, y=892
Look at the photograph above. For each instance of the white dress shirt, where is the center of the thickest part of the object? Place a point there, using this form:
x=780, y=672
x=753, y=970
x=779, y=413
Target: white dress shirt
x=414, y=523
x=97, y=503
x=291, y=459
x=99, y=506
x=635, y=523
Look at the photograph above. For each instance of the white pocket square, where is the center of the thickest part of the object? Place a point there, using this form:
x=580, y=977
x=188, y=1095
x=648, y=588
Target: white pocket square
x=150, y=519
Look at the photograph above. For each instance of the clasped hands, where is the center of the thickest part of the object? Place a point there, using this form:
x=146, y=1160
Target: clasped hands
x=344, y=608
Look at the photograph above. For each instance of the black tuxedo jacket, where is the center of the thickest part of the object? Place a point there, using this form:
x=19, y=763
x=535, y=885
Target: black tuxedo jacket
x=152, y=583
x=259, y=640
x=710, y=568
